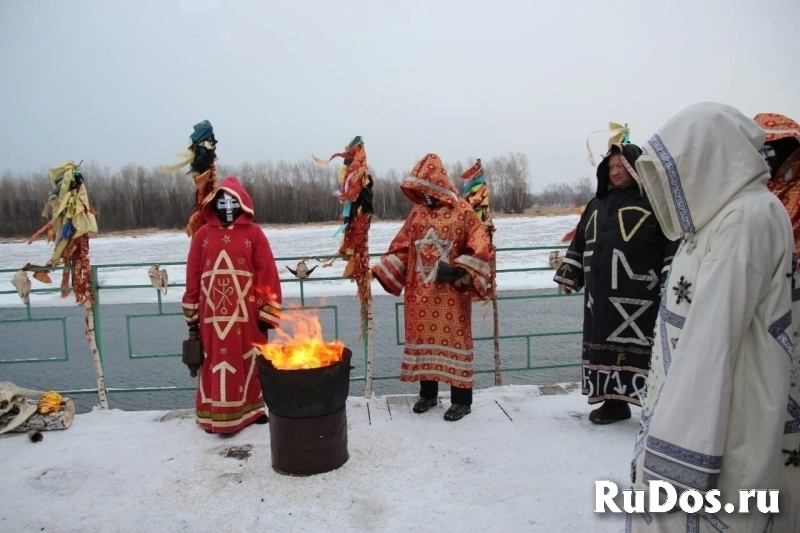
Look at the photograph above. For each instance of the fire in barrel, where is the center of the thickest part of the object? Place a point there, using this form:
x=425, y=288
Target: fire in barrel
x=305, y=382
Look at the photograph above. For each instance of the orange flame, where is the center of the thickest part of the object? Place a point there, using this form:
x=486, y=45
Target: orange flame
x=304, y=348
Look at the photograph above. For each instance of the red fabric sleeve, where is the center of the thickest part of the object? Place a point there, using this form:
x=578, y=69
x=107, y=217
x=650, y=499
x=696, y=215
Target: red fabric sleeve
x=191, y=296
x=390, y=271
x=476, y=256
x=268, y=283
x=354, y=185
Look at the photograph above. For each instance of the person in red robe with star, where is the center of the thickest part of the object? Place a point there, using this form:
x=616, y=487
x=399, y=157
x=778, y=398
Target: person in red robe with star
x=233, y=296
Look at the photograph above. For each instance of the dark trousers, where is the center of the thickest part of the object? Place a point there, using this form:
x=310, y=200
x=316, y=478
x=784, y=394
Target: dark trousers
x=459, y=396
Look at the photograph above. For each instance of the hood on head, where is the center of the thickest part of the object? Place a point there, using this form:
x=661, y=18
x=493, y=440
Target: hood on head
x=630, y=153
x=783, y=135
x=701, y=159
x=232, y=186
x=430, y=177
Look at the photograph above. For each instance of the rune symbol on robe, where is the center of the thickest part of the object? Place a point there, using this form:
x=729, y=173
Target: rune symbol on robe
x=682, y=290
x=794, y=457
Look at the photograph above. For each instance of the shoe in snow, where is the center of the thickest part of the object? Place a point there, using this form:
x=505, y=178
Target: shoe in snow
x=457, y=412
x=423, y=404
x=611, y=411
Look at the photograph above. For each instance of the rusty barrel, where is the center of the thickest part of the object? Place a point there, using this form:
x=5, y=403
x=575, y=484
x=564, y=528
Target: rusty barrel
x=307, y=416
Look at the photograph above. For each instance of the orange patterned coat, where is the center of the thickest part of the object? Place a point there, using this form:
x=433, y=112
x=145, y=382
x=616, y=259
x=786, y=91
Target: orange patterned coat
x=785, y=182
x=438, y=316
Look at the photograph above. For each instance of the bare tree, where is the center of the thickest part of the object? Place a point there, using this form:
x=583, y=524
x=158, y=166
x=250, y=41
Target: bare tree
x=135, y=197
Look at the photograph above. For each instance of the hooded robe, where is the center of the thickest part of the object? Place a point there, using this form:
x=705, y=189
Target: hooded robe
x=619, y=254
x=721, y=409
x=438, y=316
x=232, y=282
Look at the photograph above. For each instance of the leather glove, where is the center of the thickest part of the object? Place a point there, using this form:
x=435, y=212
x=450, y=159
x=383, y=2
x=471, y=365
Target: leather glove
x=449, y=274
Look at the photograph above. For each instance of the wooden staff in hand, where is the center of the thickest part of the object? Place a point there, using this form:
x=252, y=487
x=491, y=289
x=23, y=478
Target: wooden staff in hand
x=476, y=192
x=498, y=378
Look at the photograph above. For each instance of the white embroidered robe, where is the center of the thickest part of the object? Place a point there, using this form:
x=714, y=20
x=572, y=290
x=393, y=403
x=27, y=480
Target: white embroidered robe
x=722, y=397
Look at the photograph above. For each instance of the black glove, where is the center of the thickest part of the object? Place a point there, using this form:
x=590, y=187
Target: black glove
x=449, y=274
x=263, y=327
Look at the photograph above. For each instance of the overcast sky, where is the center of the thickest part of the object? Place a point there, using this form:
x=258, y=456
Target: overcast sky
x=124, y=82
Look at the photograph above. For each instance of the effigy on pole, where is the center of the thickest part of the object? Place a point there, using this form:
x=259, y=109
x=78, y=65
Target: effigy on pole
x=201, y=157
x=355, y=196
x=71, y=221
x=476, y=193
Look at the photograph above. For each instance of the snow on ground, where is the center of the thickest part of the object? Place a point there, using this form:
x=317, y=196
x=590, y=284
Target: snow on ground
x=303, y=241
x=533, y=470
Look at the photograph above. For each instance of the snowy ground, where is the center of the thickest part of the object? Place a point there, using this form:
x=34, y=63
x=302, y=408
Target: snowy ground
x=532, y=469
x=305, y=241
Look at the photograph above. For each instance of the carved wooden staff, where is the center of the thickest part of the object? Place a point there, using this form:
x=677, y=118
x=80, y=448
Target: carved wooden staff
x=498, y=377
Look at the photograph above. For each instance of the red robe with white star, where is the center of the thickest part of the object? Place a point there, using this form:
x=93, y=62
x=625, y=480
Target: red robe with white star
x=232, y=282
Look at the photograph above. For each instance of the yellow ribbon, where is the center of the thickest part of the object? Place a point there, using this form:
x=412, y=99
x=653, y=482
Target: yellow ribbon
x=618, y=132
x=188, y=159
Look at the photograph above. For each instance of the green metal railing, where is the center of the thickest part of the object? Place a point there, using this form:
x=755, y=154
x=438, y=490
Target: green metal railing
x=160, y=314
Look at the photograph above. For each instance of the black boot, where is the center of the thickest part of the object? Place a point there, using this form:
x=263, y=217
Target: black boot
x=611, y=411
x=428, y=396
x=457, y=412
x=423, y=404
x=263, y=419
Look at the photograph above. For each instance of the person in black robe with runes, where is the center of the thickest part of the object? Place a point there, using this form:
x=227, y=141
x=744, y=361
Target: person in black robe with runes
x=621, y=257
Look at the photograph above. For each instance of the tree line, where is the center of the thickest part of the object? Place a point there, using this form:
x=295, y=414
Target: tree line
x=134, y=197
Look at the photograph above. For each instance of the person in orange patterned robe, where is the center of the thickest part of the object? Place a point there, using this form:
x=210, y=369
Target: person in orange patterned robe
x=782, y=153
x=233, y=296
x=441, y=258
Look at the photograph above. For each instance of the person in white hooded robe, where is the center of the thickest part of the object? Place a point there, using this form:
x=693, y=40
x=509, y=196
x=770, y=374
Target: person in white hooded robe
x=721, y=409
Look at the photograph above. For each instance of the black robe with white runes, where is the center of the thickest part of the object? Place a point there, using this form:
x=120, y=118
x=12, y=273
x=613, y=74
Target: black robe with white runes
x=621, y=257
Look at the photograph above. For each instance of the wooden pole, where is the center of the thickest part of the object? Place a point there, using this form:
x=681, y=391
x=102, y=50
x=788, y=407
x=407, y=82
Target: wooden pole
x=365, y=294
x=498, y=377
x=368, y=381
x=98, y=364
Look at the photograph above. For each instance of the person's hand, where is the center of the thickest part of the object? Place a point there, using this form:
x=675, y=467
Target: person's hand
x=566, y=289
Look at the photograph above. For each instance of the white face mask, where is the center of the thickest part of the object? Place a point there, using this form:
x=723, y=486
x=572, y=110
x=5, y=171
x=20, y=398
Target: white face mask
x=227, y=208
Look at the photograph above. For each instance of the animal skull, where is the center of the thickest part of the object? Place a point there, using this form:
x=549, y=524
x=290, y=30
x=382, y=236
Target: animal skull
x=301, y=270
x=158, y=277
x=12, y=396
x=22, y=283
x=555, y=259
